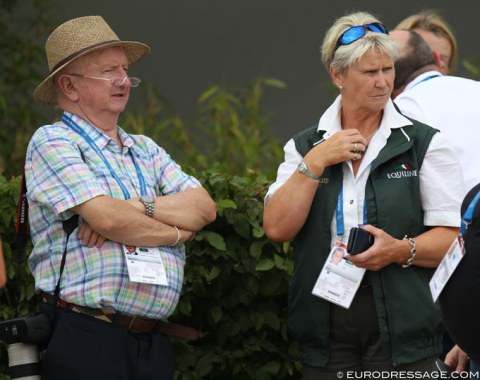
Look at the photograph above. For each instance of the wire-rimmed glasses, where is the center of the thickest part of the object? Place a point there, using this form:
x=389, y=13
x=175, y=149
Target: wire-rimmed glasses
x=116, y=82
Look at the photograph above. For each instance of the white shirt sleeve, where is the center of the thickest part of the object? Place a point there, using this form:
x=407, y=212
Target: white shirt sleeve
x=287, y=168
x=441, y=185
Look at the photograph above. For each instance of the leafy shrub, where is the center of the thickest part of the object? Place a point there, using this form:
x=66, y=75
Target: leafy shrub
x=22, y=64
x=235, y=288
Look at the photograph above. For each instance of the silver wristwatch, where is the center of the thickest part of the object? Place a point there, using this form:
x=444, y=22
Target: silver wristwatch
x=303, y=168
x=149, y=203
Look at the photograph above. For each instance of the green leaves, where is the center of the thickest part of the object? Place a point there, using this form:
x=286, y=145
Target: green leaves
x=236, y=284
x=215, y=240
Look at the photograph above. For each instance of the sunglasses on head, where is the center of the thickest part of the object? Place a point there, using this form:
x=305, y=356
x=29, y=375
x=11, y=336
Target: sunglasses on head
x=356, y=32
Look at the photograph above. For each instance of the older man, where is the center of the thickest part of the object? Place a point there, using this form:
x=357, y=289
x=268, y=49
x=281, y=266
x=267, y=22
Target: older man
x=123, y=267
x=448, y=103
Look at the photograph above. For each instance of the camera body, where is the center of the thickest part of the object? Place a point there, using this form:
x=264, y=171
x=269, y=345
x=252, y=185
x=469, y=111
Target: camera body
x=30, y=329
x=22, y=336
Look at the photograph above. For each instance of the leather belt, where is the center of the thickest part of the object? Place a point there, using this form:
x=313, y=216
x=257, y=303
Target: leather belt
x=132, y=323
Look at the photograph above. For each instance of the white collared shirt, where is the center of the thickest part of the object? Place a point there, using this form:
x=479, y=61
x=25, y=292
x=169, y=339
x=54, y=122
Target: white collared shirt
x=450, y=104
x=441, y=183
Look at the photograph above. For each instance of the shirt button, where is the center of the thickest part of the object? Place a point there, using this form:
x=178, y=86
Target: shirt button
x=351, y=202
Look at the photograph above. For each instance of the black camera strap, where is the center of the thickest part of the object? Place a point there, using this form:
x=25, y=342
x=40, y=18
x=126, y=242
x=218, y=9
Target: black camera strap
x=23, y=235
x=22, y=230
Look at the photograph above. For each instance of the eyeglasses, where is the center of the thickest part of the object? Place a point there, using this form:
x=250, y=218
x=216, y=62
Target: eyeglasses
x=356, y=32
x=116, y=82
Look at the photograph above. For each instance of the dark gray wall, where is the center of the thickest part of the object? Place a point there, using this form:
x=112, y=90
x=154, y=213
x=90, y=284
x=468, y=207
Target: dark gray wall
x=198, y=43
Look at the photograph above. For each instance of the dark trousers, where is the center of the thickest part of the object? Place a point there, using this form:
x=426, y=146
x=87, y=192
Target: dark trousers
x=82, y=347
x=355, y=345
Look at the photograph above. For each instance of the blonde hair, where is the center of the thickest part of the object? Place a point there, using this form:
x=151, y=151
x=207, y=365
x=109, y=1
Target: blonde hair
x=430, y=21
x=346, y=55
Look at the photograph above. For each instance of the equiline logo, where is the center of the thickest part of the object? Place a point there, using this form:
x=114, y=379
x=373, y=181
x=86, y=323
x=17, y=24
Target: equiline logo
x=401, y=171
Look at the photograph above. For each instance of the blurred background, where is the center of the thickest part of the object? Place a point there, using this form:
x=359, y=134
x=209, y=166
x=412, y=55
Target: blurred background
x=199, y=43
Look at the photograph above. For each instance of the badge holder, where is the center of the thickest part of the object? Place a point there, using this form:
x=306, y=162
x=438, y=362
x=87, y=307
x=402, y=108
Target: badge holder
x=339, y=279
x=145, y=265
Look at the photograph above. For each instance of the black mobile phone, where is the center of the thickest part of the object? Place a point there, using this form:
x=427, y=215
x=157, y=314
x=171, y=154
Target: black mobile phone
x=359, y=240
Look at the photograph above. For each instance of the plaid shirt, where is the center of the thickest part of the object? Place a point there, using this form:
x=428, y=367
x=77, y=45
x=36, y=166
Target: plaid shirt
x=62, y=171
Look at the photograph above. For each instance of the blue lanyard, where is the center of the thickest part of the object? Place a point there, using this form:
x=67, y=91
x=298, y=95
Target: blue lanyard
x=426, y=78
x=468, y=215
x=339, y=213
x=75, y=127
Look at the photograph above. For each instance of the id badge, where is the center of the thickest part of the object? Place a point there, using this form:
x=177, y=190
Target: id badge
x=339, y=279
x=447, y=266
x=145, y=265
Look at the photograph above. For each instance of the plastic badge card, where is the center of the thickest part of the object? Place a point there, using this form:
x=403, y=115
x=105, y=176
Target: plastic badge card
x=145, y=265
x=446, y=267
x=339, y=279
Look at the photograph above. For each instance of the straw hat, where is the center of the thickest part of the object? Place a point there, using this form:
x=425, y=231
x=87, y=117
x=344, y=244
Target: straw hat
x=76, y=38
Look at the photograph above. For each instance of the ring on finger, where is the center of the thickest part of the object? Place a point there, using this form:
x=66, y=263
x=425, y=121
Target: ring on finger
x=355, y=149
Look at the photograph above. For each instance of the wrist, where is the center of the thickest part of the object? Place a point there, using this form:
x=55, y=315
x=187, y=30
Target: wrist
x=149, y=204
x=307, y=170
x=316, y=166
x=412, y=252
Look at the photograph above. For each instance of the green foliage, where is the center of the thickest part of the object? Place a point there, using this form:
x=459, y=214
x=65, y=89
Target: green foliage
x=472, y=68
x=236, y=130
x=21, y=23
x=231, y=128
x=236, y=290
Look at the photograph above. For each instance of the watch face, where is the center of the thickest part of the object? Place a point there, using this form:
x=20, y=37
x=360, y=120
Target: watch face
x=302, y=167
x=147, y=199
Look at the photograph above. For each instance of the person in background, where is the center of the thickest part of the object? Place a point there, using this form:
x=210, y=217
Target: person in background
x=365, y=164
x=423, y=93
x=438, y=35
x=459, y=298
x=448, y=103
x=129, y=194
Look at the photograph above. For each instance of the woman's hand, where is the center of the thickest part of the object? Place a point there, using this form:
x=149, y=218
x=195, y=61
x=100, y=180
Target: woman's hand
x=384, y=251
x=344, y=145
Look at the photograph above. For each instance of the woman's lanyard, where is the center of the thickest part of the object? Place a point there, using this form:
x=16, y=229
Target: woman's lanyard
x=75, y=127
x=468, y=215
x=339, y=214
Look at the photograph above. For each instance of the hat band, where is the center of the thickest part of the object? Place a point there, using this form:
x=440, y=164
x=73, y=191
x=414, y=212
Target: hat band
x=71, y=57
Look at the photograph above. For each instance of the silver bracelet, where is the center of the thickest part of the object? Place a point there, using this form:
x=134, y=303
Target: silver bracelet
x=413, y=251
x=178, y=237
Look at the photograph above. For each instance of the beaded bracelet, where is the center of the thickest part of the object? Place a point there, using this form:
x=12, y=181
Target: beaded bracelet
x=413, y=251
x=178, y=237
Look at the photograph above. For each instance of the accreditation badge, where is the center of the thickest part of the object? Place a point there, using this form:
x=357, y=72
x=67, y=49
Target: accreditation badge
x=339, y=279
x=447, y=266
x=145, y=265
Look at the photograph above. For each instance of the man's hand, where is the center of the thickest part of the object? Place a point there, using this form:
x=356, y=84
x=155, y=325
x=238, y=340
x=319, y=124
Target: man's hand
x=457, y=359
x=89, y=237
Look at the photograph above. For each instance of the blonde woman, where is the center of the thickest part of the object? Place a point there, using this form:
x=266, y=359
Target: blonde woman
x=437, y=34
